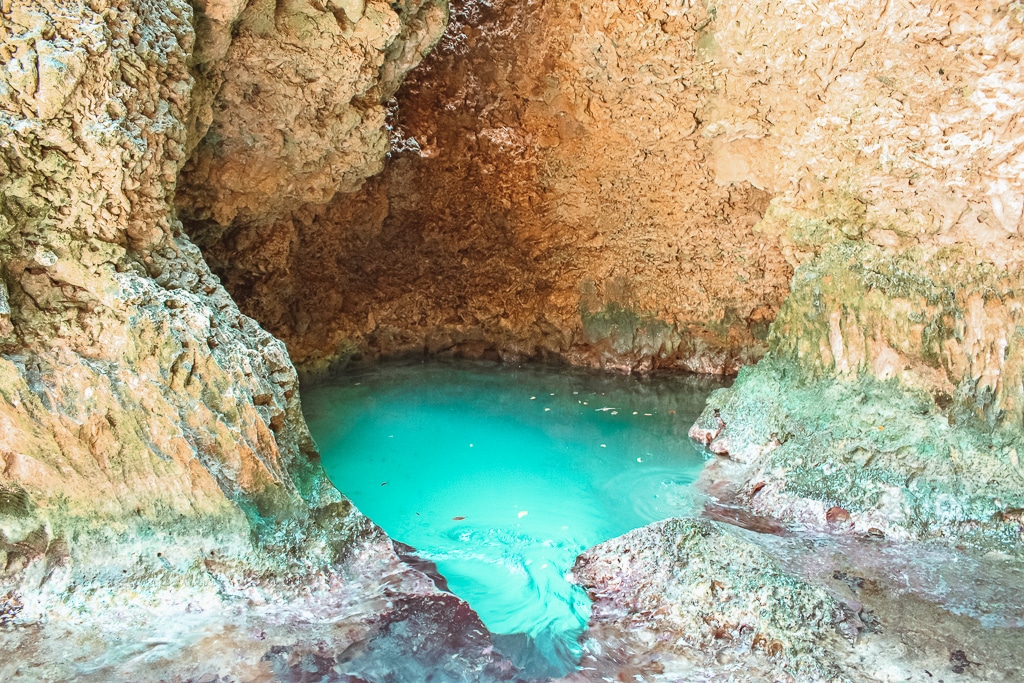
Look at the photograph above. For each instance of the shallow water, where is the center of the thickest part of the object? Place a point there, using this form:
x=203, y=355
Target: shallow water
x=502, y=475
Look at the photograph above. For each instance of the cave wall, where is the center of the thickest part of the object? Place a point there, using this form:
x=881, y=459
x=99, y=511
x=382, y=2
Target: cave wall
x=550, y=193
x=891, y=394
x=296, y=110
x=631, y=184
x=143, y=416
x=616, y=184
x=894, y=144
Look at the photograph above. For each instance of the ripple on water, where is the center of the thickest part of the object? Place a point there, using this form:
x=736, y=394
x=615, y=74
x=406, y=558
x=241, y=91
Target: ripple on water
x=501, y=476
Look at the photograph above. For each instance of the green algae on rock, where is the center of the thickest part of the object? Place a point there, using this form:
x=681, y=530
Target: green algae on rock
x=684, y=595
x=617, y=337
x=892, y=391
x=885, y=455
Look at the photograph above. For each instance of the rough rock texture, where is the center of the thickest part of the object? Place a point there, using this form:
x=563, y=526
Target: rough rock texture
x=894, y=389
x=691, y=600
x=587, y=180
x=138, y=402
x=629, y=185
x=551, y=193
x=146, y=425
x=163, y=514
x=683, y=600
x=298, y=111
x=367, y=617
x=616, y=183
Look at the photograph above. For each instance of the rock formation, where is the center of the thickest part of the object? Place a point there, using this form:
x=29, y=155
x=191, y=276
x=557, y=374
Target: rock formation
x=154, y=465
x=297, y=110
x=618, y=184
x=710, y=590
x=550, y=192
x=688, y=599
x=893, y=387
x=138, y=401
x=633, y=186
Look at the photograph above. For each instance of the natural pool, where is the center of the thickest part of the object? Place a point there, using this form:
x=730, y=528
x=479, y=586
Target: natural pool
x=502, y=475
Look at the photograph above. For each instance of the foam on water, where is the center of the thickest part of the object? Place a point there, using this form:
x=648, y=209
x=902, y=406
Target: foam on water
x=502, y=475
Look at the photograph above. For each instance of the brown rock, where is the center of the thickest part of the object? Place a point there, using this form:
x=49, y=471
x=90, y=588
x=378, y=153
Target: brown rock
x=550, y=193
x=837, y=516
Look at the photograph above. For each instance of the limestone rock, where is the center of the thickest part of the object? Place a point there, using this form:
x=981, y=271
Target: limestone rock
x=298, y=110
x=549, y=193
x=683, y=596
x=140, y=411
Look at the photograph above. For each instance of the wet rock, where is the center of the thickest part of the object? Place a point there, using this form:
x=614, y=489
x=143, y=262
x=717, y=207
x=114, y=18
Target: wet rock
x=741, y=517
x=686, y=594
x=366, y=617
x=152, y=442
x=10, y=607
x=707, y=428
x=882, y=453
x=417, y=638
x=837, y=516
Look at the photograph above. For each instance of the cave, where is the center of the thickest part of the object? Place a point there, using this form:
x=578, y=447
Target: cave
x=698, y=320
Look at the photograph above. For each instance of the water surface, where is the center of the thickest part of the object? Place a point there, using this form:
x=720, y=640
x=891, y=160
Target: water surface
x=502, y=475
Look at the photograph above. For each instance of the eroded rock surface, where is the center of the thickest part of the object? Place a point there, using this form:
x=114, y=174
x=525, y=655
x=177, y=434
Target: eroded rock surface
x=634, y=187
x=613, y=184
x=550, y=193
x=689, y=599
x=297, y=108
x=681, y=598
x=151, y=442
x=588, y=180
x=138, y=401
x=892, y=393
x=367, y=617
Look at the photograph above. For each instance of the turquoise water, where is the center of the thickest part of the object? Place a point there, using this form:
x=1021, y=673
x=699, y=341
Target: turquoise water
x=501, y=475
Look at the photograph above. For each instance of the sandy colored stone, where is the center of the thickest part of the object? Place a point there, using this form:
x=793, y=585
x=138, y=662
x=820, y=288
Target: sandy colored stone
x=142, y=416
x=588, y=180
x=684, y=598
x=549, y=193
x=297, y=108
